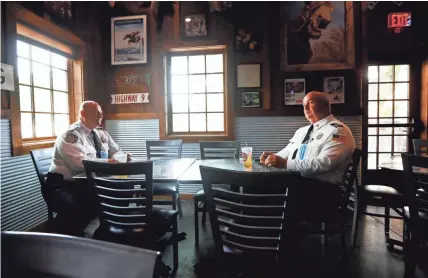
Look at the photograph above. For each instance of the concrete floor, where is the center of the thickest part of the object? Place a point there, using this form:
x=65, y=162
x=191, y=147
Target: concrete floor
x=369, y=259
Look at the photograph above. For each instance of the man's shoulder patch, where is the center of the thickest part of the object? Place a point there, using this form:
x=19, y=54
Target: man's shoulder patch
x=336, y=125
x=71, y=138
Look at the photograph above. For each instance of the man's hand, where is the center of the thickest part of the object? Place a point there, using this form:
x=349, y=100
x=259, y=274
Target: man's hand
x=276, y=161
x=128, y=157
x=264, y=156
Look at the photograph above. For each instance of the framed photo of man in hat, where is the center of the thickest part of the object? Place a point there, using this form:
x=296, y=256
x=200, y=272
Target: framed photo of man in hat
x=317, y=35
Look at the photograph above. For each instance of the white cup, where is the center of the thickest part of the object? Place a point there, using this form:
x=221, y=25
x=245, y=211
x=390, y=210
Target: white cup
x=247, y=154
x=121, y=157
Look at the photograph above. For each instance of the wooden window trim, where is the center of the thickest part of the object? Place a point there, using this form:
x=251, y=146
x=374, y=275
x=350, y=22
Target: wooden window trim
x=22, y=22
x=194, y=137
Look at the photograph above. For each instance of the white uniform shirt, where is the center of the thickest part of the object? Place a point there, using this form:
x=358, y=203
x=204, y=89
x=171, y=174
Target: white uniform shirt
x=328, y=151
x=77, y=144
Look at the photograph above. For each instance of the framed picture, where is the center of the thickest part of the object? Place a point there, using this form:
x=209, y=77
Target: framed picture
x=194, y=26
x=129, y=40
x=249, y=76
x=335, y=88
x=294, y=91
x=250, y=100
x=317, y=36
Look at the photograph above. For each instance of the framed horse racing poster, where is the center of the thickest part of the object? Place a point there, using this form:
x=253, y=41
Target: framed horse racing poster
x=317, y=35
x=129, y=40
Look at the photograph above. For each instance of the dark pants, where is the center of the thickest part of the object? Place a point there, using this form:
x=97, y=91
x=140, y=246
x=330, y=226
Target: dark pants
x=74, y=201
x=317, y=200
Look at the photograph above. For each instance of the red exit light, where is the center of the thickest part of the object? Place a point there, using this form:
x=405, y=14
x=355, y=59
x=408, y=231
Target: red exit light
x=399, y=20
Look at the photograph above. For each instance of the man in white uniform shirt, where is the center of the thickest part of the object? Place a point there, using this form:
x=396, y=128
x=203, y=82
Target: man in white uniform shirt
x=84, y=139
x=320, y=151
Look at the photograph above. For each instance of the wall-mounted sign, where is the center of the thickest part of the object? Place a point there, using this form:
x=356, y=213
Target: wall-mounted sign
x=135, y=79
x=7, y=81
x=130, y=98
x=399, y=20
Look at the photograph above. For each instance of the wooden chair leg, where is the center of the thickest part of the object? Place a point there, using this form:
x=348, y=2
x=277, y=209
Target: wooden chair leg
x=174, y=201
x=204, y=215
x=196, y=215
x=323, y=238
x=343, y=241
x=409, y=263
x=355, y=224
x=387, y=221
x=180, y=210
x=175, y=246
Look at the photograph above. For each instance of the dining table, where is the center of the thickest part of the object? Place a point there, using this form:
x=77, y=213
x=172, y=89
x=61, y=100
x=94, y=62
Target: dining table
x=164, y=170
x=193, y=175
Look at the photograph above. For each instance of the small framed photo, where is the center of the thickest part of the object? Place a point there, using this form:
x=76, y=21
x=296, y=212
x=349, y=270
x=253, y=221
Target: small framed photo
x=334, y=87
x=249, y=76
x=194, y=25
x=294, y=91
x=129, y=40
x=250, y=100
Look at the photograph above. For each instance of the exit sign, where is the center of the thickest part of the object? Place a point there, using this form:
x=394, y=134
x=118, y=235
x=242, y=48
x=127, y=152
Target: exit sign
x=399, y=20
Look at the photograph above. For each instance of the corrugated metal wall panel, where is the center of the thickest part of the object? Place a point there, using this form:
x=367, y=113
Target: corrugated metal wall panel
x=267, y=133
x=131, y=135
x=22, y=204
x=5, y=142
x=191, y=150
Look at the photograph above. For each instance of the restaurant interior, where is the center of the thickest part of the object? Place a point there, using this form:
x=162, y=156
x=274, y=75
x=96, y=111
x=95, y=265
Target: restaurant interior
x=195, y=93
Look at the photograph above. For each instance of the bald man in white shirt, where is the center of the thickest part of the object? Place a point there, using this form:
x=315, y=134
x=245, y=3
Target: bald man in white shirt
x=320, y=151
x=84, y=139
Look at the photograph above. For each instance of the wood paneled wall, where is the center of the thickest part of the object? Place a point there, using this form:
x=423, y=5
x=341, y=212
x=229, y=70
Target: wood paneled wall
x=221, y=28
x=92, y=24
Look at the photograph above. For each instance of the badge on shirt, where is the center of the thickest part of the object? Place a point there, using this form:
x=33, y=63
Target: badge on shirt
x=319, y=136
x=338, y=138
x=71, y=138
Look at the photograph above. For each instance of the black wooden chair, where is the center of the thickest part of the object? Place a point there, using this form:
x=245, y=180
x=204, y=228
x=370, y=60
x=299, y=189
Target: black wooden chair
x=247, y=228
x=166, y=149
x=420, y=146
x=26, y=254
x=337, y=215
x=126, y=205
x=377, y=195
x=42, y=159
x=211, y=150
x=415, y=214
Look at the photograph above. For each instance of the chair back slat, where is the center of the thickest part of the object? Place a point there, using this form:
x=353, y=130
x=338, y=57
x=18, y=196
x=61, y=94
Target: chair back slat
x=127, y=203
x=420, y=146
x=219, y=149
x=350, y=177
x=244, y=221
x=42, y=159
x=164, y=149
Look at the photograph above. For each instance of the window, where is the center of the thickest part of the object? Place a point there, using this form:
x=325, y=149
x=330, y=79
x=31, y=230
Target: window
x=49, y=62
x=196, y=97
x=389, y=122
x=43, y=91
